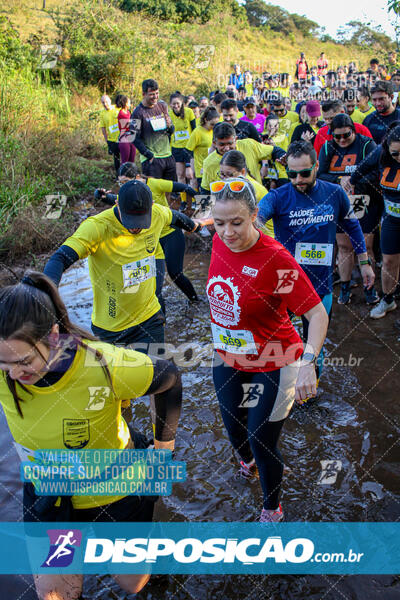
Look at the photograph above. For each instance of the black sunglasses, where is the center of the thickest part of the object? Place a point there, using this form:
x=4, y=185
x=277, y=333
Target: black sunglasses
x=395, y=154
x=303, y=173
x=279, y=110
x=342, y=136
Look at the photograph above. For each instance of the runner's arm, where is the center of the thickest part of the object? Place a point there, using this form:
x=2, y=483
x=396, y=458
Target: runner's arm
x=135, y=127
x=59, y=262
x=266, y=207
x=167, y=387
x=183, y=187
x=324, y=164
x=184, y=222
x=367, y=169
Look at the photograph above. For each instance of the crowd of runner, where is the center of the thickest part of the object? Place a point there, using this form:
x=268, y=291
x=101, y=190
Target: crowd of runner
x=299, y=181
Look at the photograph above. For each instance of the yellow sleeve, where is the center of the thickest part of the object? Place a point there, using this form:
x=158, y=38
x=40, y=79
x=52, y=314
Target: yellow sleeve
x=160, y=185
x=87, y=237
x=193, y=141
x=206, y=179
x=263, y=150
x=131, y=373
x=164, y=212
x=190, y=114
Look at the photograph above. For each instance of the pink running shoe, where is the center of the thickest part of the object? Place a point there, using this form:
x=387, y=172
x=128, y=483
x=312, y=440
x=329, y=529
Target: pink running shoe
x=248, y=472
x=271, y=516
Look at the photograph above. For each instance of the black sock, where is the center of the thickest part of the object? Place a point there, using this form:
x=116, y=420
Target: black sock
x=345, y=286
x=388, y=298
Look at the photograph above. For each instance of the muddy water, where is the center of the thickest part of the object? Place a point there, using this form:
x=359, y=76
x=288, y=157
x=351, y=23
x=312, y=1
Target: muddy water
x=355, y=421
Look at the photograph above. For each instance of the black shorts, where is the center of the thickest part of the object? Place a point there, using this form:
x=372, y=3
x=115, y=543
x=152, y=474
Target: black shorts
x=149, y=332
x=37, y=509
x=180, y=155
x=369, y=223
x=390, y=235
x=160, y=168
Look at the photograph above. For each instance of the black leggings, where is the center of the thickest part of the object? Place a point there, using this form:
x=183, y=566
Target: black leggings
x=254, y=407
x=173, y=245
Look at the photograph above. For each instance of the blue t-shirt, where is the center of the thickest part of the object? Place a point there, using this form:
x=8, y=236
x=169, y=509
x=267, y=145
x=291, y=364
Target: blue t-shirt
x=236, y=80
x=379, y=124
x=306, y=225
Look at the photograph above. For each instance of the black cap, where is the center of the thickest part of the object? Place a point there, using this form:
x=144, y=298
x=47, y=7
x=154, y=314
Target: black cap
x=250, y=100
x=135, y=202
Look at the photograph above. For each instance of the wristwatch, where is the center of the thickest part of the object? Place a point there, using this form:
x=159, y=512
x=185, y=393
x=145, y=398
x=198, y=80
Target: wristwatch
x=309, y=357
x=368, y=261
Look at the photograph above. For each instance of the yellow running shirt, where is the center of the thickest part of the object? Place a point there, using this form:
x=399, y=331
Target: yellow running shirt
x=109, y=120
x=253, y=151
x=160, y=187
x=121, y=266
x=261, y=191
x=80, y=411
x=182, y=126
x=286, y=122
x=199, y=143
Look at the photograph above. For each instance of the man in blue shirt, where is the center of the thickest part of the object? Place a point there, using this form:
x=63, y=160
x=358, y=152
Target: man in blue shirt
x=306, y=214
x=236, y=78
x=385, y=113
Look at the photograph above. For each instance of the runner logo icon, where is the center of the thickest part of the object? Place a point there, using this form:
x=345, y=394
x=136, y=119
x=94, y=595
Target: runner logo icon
x=62, y=547
x=97, y=397
x=252, y=393
x=286, y=280
x=330, y=470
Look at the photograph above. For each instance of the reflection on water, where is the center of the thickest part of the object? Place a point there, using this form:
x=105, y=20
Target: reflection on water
x=354, y=422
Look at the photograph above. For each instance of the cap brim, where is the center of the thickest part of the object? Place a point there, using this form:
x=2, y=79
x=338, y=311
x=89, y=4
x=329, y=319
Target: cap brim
x=136, y=221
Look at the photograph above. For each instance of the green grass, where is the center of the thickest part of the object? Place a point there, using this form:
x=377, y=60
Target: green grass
x=50, y=141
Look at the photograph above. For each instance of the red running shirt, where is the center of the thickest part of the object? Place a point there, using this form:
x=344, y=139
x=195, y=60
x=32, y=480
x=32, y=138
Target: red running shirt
x=249, y=294
x=123, y=121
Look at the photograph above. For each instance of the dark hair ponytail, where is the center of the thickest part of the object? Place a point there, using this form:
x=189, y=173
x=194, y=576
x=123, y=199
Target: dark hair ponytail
x=234, y=159
x=129, y=169
x=392, y=135
x=28, y=311
x=121, y=101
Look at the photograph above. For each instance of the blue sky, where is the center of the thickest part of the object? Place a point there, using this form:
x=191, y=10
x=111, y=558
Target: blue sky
x=344, y=11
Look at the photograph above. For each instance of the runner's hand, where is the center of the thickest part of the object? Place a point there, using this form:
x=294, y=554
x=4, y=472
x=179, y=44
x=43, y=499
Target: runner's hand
x=346, y=185
x=306, y=384
x=368, y=276
x=307, y=136
x=189, y=173
x=282, y=160
x=203, y=222
x=191, y=191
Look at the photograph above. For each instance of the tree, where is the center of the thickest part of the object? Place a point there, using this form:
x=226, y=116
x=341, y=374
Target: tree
x=184, y=11
x=275, y=18
x=307, y=27
x=361, y=34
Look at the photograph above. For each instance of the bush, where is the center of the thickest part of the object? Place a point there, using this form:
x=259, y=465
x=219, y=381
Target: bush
x=14, y=54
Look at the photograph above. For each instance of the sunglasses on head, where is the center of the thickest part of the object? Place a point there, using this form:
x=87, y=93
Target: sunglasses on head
x=237, y=185
x=303, y=173
x=234, y=186
x=342, y=136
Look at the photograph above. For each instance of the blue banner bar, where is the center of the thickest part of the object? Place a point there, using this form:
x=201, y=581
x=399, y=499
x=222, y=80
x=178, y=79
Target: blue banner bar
x=201, y=548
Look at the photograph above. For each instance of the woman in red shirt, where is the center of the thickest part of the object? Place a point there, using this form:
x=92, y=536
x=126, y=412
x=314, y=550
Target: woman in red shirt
x=126, y=148
x=253, y=281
